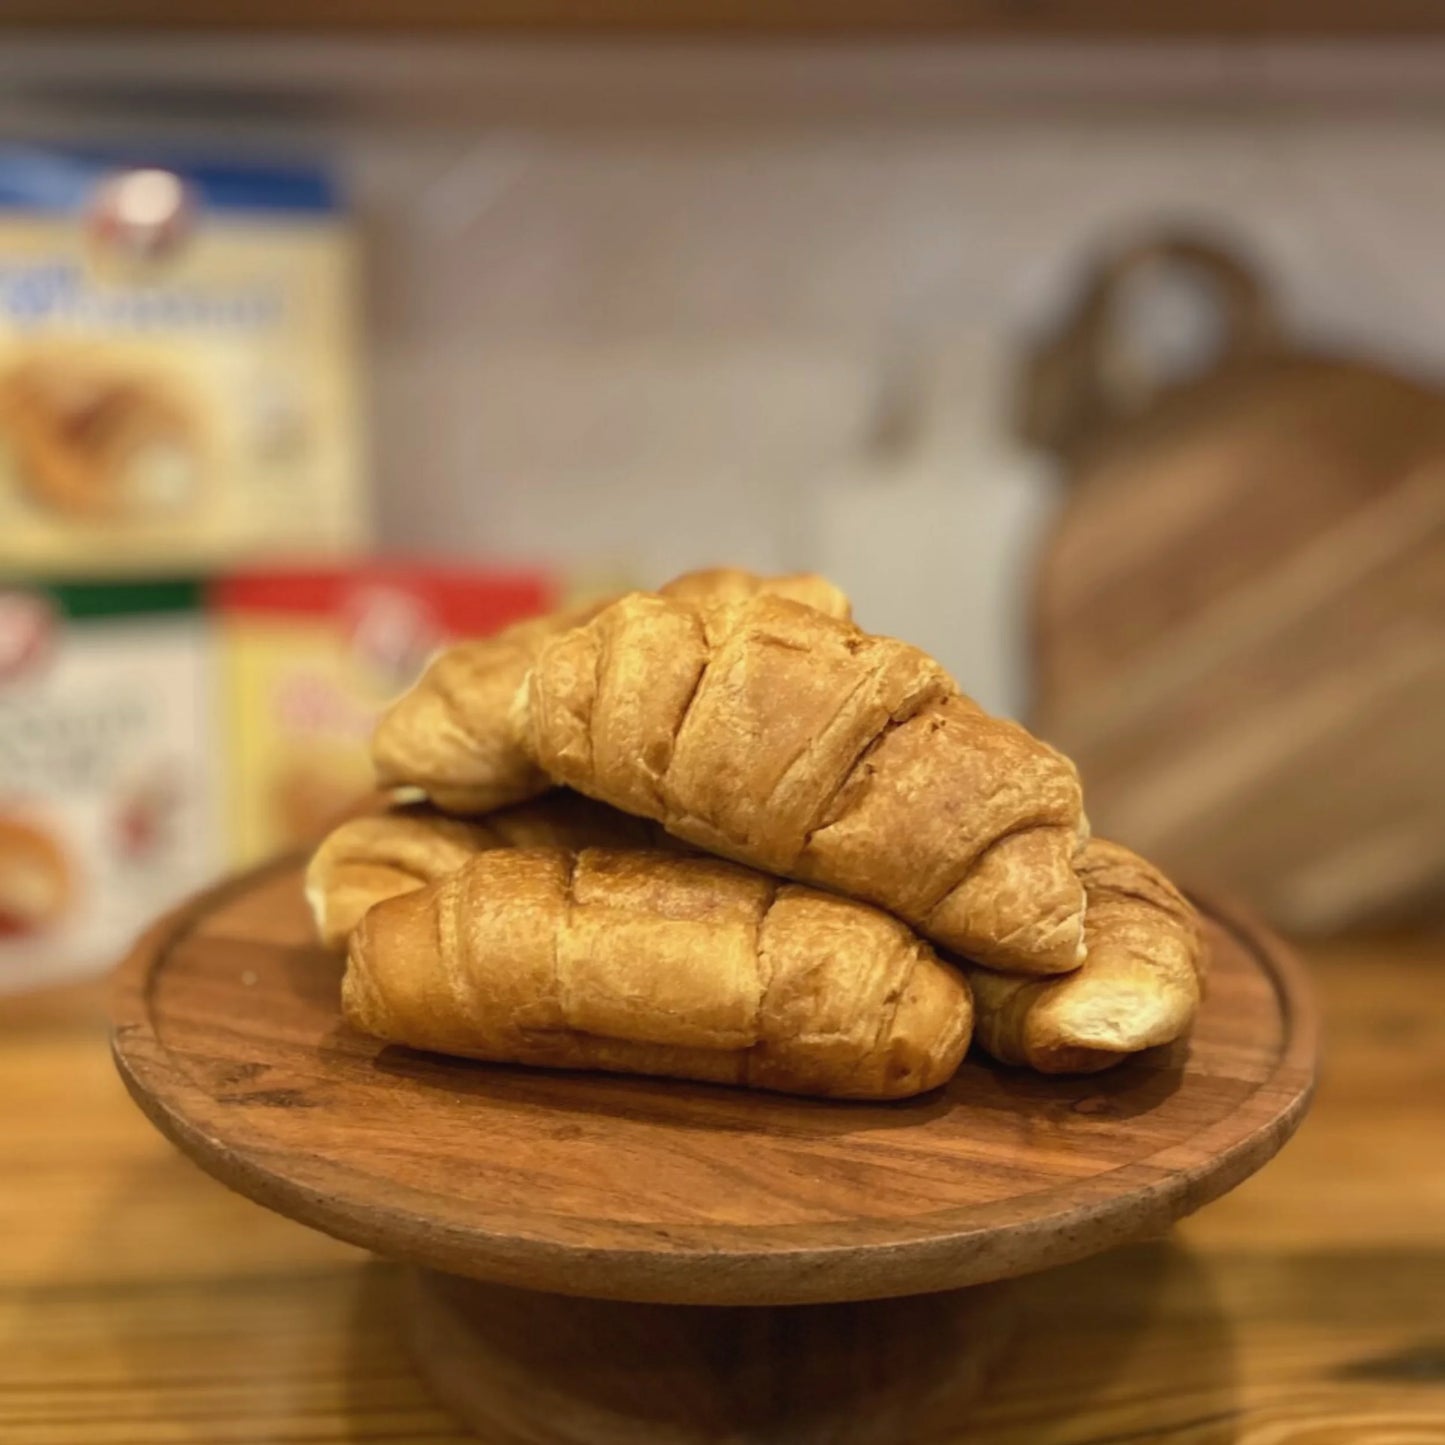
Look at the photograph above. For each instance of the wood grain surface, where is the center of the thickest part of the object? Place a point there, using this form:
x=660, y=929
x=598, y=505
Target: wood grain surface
x=229, y=1036
x=1239, y=630
x=141, y=1303
x=1266, y=718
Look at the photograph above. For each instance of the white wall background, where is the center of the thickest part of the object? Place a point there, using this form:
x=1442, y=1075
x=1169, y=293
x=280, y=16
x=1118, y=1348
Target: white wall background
x=642, y=306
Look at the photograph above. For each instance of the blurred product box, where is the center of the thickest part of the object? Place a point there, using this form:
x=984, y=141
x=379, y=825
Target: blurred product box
x=178, y=366
x=110, y=775
x=155, y=733
x=310, y=657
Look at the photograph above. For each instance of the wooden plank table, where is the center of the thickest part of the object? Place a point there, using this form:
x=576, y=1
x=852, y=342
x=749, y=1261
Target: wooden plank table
x=141, y=1304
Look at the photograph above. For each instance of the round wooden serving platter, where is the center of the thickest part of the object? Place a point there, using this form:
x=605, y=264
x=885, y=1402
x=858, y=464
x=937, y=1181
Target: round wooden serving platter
x=661, y=1193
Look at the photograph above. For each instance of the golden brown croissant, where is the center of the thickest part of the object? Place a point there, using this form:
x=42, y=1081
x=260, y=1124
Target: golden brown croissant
x=443, y=735
x=370, y=858
x=733, y=584
x=654, y=963
x=1139, y=986
x=449, y=734
x=768, y=733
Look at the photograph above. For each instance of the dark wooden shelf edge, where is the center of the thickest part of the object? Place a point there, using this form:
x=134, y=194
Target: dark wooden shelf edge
x=984, y=19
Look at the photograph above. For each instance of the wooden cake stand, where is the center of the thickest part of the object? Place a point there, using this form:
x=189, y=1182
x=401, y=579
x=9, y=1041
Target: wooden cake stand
x=601, y=1260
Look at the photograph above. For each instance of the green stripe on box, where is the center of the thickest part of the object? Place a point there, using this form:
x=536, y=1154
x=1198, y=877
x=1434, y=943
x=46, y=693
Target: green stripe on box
x=122, y=599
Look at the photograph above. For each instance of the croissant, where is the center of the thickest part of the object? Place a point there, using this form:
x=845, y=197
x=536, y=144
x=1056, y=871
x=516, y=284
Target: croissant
x=769, y=733
x=449, y=735
x=442, y=735
x=1140, y=985
x=370, y=858
x=651, y=963
x=734, y=584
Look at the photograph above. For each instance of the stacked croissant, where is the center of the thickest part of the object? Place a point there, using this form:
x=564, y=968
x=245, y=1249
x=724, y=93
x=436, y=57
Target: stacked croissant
x=719, y=832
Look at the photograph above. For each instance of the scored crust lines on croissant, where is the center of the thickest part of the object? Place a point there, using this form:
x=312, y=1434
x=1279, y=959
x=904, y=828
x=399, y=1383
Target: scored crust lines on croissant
x=449, y=734
x=829, y=770
x=748, y=1044
x=661, y=964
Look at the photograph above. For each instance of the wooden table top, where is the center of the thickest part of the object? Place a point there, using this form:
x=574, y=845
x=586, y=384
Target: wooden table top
x=142, y=1304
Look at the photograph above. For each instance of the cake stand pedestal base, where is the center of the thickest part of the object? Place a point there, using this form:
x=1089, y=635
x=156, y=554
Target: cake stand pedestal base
x=520, y=1367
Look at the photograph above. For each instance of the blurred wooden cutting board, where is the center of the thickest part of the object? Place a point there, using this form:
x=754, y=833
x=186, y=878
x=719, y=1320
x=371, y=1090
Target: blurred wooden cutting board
x=1239, y=627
